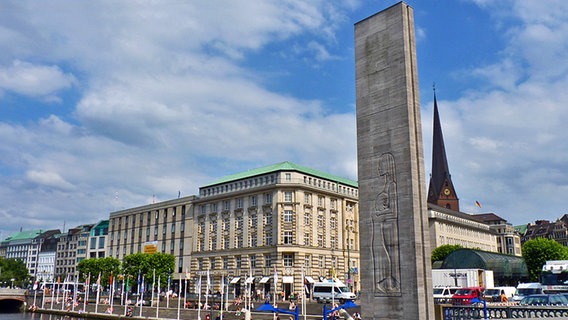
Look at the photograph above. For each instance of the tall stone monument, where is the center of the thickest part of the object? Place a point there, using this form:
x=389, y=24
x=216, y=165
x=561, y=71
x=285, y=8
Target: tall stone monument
x=396, y=275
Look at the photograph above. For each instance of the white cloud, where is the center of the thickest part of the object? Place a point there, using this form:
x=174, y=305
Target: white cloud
x=505, y=138
x=34, y=80
x=48, y=179
x=166, y=93
x=172, y=97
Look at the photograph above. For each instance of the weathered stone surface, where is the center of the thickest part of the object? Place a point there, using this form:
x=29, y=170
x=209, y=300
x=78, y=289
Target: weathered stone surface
x=395, y=253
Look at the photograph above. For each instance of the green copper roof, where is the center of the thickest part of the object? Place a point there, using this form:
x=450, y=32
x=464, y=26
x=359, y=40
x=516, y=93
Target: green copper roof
x=283, y=166
x=522, y=229
x=24, y=235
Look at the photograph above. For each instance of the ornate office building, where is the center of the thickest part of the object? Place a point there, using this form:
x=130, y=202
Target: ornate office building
x=285, y=218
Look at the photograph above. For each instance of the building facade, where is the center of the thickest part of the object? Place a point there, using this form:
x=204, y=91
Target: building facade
x=27, y=246
x=555, y=230
x=453, y=227
x=508, y=239
x=71, y=249
x=97, y=240
x=285, y=218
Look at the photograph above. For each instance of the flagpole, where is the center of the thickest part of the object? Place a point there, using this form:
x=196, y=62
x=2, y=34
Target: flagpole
x=87, y=288
x=43, y=297
x=75, y=286
x=53, y=289
x=35, y=292
x=199, y=300
x=185, y=291
x=122, y=299
x=138, y=289
x=274, y=297
x=222, y=293
x=58, y=288
x=207, y=291
x=247, y=291
x=111, y=293
x=127, y=288
x=179, y=296
x=168, y=292
x=158, y=304
x=64, y=292
x=123, y=296
x=303, y=293
x=227, y=297
x=333, y=287
x=98, y=292
x=142, y=296
x=153, y=284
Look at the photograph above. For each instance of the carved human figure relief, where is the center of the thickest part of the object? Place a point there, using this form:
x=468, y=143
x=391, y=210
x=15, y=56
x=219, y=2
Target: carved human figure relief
x=385, y=241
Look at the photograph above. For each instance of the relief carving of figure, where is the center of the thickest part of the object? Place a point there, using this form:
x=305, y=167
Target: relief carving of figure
x=385, y=242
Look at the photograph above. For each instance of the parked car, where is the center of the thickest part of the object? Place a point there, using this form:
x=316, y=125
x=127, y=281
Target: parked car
x=465, y=295
x=444, y=294
x=544, y=300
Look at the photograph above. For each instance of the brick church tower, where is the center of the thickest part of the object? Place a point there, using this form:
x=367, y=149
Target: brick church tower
x=441, y=190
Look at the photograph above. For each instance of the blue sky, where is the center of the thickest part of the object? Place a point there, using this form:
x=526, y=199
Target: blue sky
x=106, y=105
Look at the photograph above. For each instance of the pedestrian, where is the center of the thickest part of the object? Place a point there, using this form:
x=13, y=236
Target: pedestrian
x=504, y=296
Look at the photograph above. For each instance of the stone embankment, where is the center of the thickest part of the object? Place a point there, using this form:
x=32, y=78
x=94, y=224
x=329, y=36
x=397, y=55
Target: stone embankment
x=313, y=311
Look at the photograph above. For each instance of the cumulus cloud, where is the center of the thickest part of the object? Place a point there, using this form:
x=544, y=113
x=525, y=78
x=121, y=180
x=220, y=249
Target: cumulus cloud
x=504, y=135
x=175, y=94
x=50, y=179
x=34, y=80
x=168, y=100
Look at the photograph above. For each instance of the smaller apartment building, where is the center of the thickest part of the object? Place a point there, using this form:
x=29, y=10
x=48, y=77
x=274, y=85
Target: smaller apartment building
x=71, y=249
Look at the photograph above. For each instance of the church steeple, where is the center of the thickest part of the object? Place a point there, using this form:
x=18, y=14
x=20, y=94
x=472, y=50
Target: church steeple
x=441, y=190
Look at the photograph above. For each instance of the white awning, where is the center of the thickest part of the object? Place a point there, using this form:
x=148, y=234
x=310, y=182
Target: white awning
x=250, y=280
x=309, y=279
x=235, y=280
x=264, y=280
x=287, y=279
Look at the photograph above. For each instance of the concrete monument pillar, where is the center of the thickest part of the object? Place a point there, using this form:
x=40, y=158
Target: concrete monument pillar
x=395, y=251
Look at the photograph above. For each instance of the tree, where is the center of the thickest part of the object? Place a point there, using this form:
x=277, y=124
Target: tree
x=441, y=252
x=537, y=251
x=103, y=266
x=146, y=264
x=13, y=269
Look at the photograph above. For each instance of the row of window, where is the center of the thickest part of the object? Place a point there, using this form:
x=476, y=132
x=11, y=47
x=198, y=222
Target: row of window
x=241, y=262
x=18, y=248
x=330, y=186
x=240, y=185
x=118, y=221
x=239, y=204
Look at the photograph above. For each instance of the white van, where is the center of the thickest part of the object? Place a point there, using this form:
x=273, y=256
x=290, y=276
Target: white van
x=526, y=289
x=494, y=294
x=444, y=294
x=323, y=292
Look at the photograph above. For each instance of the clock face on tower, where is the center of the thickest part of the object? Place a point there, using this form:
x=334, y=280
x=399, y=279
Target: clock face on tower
x=447, y=191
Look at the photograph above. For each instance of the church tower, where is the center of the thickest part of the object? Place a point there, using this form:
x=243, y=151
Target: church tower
x=441, y=190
